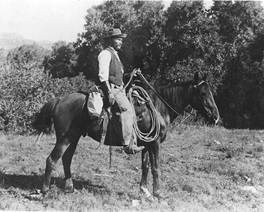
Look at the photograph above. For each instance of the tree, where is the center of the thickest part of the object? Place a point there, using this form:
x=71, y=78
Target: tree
x=145, y=43
x=62, y=61
x=27, y=57
x=225, y=42
x=241, y=27
x=98, y=20
x=195, y=44
x=141, y=20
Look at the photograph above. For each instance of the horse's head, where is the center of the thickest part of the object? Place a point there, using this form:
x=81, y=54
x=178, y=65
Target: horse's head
x=203, y=100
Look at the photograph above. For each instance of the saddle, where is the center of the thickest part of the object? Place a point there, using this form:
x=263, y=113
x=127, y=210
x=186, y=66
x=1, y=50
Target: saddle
x=106, y=128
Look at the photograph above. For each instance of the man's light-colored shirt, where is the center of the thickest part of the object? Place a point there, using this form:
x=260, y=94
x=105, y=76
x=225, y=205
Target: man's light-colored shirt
x=104, y=59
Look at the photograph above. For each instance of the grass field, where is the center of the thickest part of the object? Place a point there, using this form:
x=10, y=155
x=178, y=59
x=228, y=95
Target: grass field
x=202, y=169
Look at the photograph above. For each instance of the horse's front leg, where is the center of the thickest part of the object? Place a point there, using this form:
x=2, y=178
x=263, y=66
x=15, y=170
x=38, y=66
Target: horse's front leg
x=154, y=161
x=145, y=169
x=51, y=162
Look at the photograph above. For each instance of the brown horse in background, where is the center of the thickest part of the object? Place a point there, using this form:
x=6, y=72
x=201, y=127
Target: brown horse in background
x=70, y=119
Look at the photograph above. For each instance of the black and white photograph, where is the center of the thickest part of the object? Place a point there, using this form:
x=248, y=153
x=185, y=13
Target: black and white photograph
x=131, y=105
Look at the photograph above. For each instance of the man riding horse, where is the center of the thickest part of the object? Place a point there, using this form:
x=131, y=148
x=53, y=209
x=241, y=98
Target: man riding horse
x=70, y=117
x=111, y=79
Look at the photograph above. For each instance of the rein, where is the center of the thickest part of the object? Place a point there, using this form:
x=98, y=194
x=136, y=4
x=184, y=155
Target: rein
x=166, y=103
x=137, y=71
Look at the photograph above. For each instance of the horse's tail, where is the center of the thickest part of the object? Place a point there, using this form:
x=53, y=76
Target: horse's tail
x=43, y=120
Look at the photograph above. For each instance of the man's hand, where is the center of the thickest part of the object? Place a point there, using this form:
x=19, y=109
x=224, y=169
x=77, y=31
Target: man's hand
x=111, y=99
x=107, y=92
x=137, y=71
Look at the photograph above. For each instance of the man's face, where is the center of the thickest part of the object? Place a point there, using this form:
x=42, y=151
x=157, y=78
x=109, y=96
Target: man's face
x=116, y=43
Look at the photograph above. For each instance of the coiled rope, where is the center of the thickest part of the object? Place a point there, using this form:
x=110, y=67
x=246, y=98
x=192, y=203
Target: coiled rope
x=137, y=92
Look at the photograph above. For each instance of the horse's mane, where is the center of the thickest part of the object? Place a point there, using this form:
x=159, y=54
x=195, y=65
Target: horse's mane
x=176, y=83
x=173, y=94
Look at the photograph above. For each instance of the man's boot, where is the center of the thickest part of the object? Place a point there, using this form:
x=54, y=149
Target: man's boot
x=132, y=148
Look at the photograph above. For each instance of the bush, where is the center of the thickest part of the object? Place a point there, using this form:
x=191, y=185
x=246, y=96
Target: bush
x=23, y=93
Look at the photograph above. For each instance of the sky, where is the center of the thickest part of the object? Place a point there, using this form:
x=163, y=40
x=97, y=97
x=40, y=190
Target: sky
x=40, y=20
x=50, y=20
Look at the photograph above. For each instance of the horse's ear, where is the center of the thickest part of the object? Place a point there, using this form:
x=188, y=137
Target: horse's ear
x=196, y=77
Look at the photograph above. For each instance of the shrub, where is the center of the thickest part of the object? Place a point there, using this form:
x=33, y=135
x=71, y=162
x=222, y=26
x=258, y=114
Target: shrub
x=22, y=94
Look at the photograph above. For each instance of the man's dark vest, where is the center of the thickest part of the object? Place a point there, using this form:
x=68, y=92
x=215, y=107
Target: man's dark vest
x=115, y=69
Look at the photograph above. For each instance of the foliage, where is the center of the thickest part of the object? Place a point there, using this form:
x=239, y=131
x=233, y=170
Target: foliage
x=151, y=43
x=62, y=60
x=139, y=19
x=151, y=21
x=24, y=92
x=26, y=57
x=197, y=45
x=225, y=42
x=241, y=27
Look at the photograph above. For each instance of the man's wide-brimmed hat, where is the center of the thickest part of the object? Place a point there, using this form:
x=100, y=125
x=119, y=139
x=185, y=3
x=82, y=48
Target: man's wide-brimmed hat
x=114, y=32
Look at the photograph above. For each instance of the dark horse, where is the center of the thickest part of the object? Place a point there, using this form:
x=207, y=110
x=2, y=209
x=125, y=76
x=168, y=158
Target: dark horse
x=70, y=123
x=179, y=95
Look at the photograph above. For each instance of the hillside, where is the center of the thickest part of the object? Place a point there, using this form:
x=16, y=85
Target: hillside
x=203, y=169
x=12, y=40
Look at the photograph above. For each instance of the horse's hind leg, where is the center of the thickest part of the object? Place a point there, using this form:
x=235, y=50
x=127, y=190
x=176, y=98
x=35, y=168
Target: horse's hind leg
x=51, y=162
x=145, y=170
x=67, y=160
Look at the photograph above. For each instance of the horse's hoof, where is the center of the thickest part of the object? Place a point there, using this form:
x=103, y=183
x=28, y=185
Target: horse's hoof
x=68, y=188
x=35, y=196
x=145, y=191
x=150, y=198
x=44, y=190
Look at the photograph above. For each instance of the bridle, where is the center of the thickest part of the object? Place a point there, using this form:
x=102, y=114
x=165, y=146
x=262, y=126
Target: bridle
x=136, y=72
